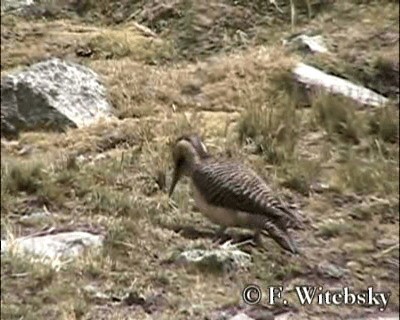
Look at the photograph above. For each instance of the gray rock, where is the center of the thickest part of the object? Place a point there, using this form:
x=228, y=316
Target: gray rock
x=331, y=270
x=55, y=246
x=287, y=316
x=388, y=316
x=225, y=258
x=35, y=217
x=52, y=94
x=256, y=312
x=311, y=77
x=303, y=42
x=8, y=5
x=241, y=316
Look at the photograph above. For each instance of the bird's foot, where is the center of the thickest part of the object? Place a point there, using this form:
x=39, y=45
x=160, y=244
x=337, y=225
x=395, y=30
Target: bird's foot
x=237, y=244
x=220, y=237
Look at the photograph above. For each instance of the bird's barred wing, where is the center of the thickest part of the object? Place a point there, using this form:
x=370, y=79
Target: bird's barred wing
x=236, y=187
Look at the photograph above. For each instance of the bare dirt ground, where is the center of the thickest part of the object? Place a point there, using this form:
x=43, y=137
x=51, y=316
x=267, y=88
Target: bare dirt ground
x=218, y=68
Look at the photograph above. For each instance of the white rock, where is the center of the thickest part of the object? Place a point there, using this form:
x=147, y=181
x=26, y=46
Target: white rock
x=314, y=43
x=54, y=247
x=313, y=77
x=53, y=94
x=224, y=258
x=9, y=5
x=381, y=317
x=241, y=316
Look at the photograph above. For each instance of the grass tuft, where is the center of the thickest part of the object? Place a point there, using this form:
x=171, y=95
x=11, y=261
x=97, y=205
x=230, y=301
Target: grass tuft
x=384, y=123
x=22, y=177
x=300, y=174
x=338, y=116
x=273, y=130
x=368, y=174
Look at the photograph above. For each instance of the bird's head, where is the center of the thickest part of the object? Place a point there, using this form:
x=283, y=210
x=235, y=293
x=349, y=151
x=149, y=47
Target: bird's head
x=187, y=151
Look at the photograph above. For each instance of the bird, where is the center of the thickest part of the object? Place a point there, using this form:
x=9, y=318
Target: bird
x=231, y=194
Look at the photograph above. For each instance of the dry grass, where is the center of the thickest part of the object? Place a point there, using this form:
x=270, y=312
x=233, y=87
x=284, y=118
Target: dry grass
x=271, y=130
x=128, y=42
x=26, y=42
x=367, y=55
x=339, y=116
x=335, y=160
x=66, y=38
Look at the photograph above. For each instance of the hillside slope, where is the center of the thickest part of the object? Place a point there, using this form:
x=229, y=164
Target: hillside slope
x=219, y=68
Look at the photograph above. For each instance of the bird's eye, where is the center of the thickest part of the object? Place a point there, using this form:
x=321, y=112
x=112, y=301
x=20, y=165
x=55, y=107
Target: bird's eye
x=180, y=162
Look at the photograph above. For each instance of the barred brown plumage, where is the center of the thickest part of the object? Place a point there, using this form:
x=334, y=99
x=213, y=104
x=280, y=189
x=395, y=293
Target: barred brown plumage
x=230, y=194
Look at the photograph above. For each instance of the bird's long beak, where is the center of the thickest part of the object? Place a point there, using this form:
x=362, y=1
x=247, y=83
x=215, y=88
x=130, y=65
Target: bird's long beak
x=175, y=179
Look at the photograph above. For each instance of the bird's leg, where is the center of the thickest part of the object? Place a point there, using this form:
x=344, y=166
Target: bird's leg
x=219, y=234
x=257, y=237
x=309, y=9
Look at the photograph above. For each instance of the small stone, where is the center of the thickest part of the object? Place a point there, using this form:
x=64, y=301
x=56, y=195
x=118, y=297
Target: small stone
x=54, y=247
x=225, y=258
x=134, y=298
x=353, y=265
x=320, y=187
x=314, y=44
x=260, y=313
x=34, y=217
x=241, y=316
x=286, y=316
x=385, y=243
x=95, y=293
x=331, y=270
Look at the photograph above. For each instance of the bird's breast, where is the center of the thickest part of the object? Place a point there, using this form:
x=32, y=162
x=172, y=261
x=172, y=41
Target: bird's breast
x=219, y=215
